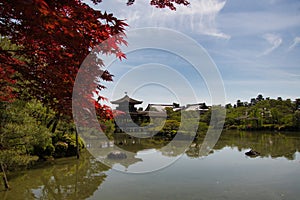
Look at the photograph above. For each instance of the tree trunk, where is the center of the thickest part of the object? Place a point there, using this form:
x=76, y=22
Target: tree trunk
x=5, y=178
x=56, y=120
x=77, y=145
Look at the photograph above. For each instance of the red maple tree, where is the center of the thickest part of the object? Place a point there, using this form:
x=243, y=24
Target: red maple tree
x=164, y=3
x=54, y=37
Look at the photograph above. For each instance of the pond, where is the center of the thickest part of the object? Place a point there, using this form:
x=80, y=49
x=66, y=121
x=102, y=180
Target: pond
x=225, y=173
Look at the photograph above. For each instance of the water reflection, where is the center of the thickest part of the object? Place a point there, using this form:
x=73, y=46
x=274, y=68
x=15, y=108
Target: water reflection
x=141, y=154
x=149, y=153
x=268, y=144
x=226, y=173
x=63, y=179
x=81, y=179
x=272, y=145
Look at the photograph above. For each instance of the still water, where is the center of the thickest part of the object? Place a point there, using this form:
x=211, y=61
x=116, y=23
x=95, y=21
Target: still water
x=225, y=173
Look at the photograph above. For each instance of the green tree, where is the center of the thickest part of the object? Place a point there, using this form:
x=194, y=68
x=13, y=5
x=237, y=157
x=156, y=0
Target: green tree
x=108, y=127
x=239, y=103
x=264, y=114
x=296, y=120
x=174, y=115
x=259, y=97
x=170, y=127
x=22, y=136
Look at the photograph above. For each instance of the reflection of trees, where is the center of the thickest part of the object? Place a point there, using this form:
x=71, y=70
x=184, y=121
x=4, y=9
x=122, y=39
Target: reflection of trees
x=268, y=144
x=167, y=147
x=194, y=150
x=135, y=144
x=175, y=148
x=66, y=179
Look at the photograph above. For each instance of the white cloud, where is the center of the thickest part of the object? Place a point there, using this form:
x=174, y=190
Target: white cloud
x=202, y=16
x=274, y=40
x=241, y=60
x=199, y=17
x=296, y=42
x=247, y=23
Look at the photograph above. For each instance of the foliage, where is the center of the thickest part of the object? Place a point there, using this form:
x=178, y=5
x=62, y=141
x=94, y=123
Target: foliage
x=260, y=114
x=65, y=144
x=170, y=127
x=42, y=46
x=7, y=73
x=172, y=114
x=163, y=4
x=264, y=113
x=55, y=37
x=108, y=127
x=187, y=122
x=22, y=137
x=25, y=134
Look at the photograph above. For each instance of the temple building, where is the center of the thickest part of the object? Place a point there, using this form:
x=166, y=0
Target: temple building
x=131, y=119
x=126, y=104
x=201, y=107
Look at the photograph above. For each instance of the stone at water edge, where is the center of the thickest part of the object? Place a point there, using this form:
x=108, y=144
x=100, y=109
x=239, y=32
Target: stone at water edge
x=116, y=155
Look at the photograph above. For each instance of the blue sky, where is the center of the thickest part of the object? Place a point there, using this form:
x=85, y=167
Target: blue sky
x=254, y=44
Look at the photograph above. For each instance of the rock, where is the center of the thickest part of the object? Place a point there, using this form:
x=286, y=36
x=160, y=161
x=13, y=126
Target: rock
x=116, y=155
x=252, y=153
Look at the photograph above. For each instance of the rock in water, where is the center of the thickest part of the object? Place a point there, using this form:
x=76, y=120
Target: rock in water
x=116, y=155
x=252, y=153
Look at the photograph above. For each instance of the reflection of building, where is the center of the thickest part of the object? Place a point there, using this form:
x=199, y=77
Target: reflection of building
x=132, y=118
x=101, y=150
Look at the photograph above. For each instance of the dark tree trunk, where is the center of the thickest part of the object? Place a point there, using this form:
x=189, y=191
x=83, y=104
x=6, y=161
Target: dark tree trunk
x=6, y=185
x=77, y=145
x=56, y=120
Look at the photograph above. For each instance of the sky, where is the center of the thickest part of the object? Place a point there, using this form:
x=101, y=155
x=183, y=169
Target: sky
x=254, y=44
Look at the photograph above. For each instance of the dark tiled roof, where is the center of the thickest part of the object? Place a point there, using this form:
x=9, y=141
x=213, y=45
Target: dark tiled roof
x=126, y=98
x=196, y=106
x=158, y=107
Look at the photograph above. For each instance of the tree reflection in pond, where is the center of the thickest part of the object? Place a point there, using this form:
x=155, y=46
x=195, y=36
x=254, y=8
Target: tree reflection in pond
x=69, y=178
x=65, y=178
x=272, y=144
x=268, y=144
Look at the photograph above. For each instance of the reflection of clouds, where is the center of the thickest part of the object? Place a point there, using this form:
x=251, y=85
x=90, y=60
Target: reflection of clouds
x=274, y=40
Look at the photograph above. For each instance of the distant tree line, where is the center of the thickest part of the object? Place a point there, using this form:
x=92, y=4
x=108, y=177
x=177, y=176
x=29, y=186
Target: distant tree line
x=258, y=114
x=264, y=114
